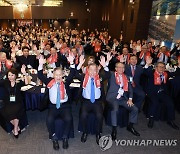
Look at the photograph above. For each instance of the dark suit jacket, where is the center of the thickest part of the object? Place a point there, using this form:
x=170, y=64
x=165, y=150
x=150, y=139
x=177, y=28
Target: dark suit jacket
x=151, y=88
x=113, y=89
x=30, y=60
x=61, y=61
x=137, y=76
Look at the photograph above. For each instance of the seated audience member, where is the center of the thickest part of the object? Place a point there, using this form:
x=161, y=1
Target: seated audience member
x=5, y=65
x=13, y=109
x=120, y=93
x=135, y=72
x=157, y=91
x=124, y=57
x=59, y=101
x=91, y=93
x=2, y=49
x=163, y=55
x=90, y=60
x=30, y=61
x=142, y=55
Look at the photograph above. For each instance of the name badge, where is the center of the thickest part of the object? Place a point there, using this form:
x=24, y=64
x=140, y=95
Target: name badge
x=12, y=98
x=131, y=79
x=121, y=91
x=29, y=66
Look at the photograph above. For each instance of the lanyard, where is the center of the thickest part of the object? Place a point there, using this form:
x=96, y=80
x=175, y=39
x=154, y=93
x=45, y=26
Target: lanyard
x=13, y=91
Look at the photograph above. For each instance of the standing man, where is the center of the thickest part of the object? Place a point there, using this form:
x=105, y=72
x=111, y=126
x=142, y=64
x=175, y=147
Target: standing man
x=135, y=72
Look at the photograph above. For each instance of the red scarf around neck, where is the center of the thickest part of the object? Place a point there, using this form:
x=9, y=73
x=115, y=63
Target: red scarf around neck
x=166, y=53
x=8, y=64
x=125, y=81
x=62, y=87
x=96, y=78
x=144, y=54
x=157, y=78
x=52, y=59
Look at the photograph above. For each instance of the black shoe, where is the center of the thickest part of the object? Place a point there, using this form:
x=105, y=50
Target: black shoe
x=65, y=143
x=19, y=132
x=16, y=136
x=84, y=137
x=173, y=125
x=97, y=138
x=150, y=123
x=133, y=131
x=113, y=135
x=55, y=145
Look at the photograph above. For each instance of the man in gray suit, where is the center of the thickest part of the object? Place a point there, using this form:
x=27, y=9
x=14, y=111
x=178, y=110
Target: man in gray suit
x=120, y=93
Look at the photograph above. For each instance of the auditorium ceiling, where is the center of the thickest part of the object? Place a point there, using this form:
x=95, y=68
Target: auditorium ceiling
x=31, y=2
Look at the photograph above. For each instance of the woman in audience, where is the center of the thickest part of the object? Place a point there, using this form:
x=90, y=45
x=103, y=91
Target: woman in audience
x=13, y=109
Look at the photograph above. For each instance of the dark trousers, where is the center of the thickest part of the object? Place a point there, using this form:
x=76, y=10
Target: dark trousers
x=133, y=115
x=64, y=112
x=166, y=100
x=138, y=97
x=97, y=109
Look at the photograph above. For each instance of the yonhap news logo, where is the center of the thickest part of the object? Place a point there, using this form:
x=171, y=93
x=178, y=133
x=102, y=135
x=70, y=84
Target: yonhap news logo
x=106, y=142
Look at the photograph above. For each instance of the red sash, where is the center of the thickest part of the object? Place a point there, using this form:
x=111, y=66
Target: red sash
x=8, y=64
x=144, y=54
x=157, y=78
x=125, y=81
x=62, y=87
x=97, y=47
x=166, y=53
x=52, y=59
x=96, y=78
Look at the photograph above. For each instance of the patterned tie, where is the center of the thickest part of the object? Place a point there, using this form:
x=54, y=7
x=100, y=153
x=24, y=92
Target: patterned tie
x=58, y=96
x=133, y=70
x=92, y=91
x=3, y=67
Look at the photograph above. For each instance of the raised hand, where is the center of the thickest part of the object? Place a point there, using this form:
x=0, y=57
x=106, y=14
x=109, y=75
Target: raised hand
x=23, y=69
x=81, y=59
x=42, y=61
x=70, y=58
x=109, y=56
x=102, y=61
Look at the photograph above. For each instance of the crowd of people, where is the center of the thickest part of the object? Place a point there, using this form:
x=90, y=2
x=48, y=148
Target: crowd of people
x=130, y=71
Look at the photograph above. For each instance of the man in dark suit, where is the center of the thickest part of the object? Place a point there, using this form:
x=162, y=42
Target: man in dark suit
x=120, y=93
x=56, y=59
x=59, y=106
x=30, y=61
x=92, y=93
x=135, y=72
x=157, y=91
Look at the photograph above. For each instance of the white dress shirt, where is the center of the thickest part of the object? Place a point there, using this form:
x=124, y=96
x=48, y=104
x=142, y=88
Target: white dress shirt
x=87, y=91
x=53, y=94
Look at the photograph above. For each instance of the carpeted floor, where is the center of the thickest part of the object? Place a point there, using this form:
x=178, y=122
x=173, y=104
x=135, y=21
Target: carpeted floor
x=34, y=140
